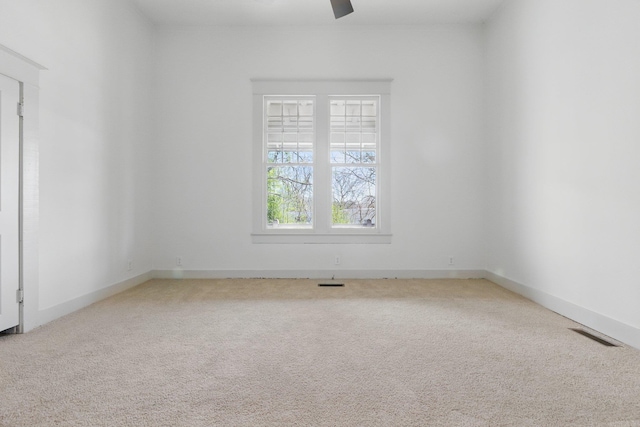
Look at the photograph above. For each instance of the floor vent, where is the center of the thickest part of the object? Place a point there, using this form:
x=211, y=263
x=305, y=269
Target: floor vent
x=595, y=338
x=331, y=285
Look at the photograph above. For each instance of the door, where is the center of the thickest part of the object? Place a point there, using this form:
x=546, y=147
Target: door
x=9, y=202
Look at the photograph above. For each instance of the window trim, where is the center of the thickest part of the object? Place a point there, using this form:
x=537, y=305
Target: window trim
x=321, y=90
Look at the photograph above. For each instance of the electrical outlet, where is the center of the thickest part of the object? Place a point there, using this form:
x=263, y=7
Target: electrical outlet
x=179, y=261
x=337, y=260
x=451, y=260
x=130, y=265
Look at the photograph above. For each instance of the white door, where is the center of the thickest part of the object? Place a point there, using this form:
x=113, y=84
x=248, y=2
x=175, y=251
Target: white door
x=9, y=202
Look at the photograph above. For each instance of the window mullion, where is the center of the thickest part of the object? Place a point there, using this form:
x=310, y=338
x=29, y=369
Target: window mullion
x=322, y=168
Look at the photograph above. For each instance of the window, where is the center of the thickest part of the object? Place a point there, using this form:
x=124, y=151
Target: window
x=320, y=162
x=354, y=140
x=288, y=139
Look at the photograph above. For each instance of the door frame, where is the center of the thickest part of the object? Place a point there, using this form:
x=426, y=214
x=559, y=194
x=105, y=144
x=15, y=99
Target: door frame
x=27, y=73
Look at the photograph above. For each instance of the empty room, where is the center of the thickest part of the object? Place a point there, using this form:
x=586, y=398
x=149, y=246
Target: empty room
x=319, y=213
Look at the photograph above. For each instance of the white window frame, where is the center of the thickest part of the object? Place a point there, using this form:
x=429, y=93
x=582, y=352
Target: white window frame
x=322, y=231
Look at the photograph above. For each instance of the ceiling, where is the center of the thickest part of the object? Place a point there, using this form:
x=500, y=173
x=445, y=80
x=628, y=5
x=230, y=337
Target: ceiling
x=315, y=12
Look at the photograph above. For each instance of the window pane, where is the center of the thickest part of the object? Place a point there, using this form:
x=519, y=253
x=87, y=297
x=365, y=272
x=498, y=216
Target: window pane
x=369, y=140
x=354, y=196
x=274, y=108
x=354, y=131
x=337, y=108
x=353, y=124
x=338, y=156
x=274, y=138
x=289, y=156
x=353, y=157
x=305, y=138
x=353, y=141
x=290, y=138
x=368, y=157
x=289, y=131
x=274, y=124
x=337, y=123
x=305, y=123
x=305, y=108
x=369, y=108
x=290, y=108
x=369, y=124
x=290, y=196
x=305, y=156
x=337, y=139
x=290, y=124
x=353, y=108
x=274, y=156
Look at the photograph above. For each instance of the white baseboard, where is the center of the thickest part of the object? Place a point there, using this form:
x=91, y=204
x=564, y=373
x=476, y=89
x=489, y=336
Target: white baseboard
x=52, y=313
x=317, y=274
x=615, y=329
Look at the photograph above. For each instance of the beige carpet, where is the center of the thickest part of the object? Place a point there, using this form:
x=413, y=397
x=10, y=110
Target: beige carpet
x=288, y=353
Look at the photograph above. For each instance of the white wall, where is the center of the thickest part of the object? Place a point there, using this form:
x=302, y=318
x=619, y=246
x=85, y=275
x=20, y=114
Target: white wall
x=557, y=213
x=94, y=139
x=202, y=151
x=564, y=205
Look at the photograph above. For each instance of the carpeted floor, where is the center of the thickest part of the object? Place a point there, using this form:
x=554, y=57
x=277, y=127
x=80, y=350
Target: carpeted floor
x=288, y=353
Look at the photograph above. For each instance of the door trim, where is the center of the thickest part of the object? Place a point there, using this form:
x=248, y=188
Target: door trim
x=27, y=73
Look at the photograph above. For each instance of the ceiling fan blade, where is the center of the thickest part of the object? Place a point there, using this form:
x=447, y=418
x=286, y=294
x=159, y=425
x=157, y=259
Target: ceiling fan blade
x=341, y=8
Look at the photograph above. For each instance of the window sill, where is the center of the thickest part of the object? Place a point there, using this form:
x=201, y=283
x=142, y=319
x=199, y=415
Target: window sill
x=311, y=238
